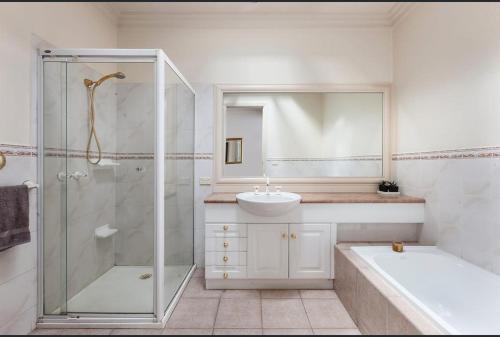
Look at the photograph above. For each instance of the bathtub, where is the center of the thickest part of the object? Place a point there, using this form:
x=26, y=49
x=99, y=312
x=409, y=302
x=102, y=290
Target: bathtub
x=458, y=296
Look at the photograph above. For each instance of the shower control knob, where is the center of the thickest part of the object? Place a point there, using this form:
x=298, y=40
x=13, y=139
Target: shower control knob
x=77, y=175
x=61, y=176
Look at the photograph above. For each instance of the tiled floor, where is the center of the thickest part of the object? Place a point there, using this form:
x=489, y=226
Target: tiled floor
x=247, y=312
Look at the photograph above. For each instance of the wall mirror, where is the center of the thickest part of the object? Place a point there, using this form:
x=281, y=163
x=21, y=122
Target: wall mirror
x=309, y=134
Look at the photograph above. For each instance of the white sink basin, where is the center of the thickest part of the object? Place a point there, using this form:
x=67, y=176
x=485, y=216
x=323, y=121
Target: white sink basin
x=268, y=204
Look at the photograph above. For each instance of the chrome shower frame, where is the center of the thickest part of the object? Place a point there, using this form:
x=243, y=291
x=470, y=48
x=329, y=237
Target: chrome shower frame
x=161, y=312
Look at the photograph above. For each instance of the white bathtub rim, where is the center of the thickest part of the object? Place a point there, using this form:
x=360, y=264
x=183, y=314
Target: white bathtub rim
x=440, y=323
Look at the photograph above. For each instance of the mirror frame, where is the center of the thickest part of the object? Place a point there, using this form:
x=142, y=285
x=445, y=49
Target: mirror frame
x=298, y=184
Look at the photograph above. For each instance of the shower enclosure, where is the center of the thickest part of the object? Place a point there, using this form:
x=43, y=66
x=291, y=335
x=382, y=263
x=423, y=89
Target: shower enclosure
x=116, y=150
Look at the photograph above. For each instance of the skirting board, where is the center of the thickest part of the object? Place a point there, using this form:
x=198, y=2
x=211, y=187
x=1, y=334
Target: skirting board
x=269, y=284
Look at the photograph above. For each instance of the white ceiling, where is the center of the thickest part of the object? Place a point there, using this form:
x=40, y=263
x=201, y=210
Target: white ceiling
x=238, y=14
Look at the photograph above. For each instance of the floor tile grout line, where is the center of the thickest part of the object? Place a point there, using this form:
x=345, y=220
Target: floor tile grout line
x=305, y=310
x=261, y=311
x=216, y=313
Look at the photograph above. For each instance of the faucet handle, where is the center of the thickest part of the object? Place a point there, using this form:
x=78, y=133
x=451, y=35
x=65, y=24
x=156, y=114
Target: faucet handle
x=256, y=189
x=278, y=189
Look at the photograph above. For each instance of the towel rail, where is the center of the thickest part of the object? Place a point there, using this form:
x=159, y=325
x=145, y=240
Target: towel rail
x=30, y=184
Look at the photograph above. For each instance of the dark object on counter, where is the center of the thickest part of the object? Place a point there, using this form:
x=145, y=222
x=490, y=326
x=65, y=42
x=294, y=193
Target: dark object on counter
x=388, y=186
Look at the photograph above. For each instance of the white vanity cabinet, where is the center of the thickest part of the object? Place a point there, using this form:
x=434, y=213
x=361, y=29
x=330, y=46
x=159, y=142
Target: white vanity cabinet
x=267, y=251
x=310, y=249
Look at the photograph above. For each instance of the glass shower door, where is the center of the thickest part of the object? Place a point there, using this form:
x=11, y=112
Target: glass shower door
x=99, y=187
x=110, y=187
x=179, y=182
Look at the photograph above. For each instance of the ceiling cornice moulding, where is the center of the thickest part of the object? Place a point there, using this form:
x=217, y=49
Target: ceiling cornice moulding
x=141, y=19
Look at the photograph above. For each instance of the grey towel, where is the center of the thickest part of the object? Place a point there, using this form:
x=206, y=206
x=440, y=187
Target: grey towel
x=14, y=216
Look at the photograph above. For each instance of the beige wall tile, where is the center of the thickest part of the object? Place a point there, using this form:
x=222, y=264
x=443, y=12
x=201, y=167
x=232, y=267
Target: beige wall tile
x=345, y=282
x=370, y=307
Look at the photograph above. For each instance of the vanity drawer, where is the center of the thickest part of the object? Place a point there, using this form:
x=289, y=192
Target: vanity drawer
x=225, y=230
x=225, y=272
x=225, y=244
x=226, y=259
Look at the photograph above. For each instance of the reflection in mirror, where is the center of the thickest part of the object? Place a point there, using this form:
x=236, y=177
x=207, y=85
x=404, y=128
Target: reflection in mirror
x=234, y=150
x=306, y=134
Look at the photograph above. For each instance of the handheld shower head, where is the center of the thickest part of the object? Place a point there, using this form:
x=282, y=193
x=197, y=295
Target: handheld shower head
x=88, y=83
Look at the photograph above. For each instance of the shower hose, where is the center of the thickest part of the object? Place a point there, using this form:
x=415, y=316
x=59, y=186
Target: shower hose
x=92, y=132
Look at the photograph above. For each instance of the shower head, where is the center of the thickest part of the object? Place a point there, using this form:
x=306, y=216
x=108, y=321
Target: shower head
x=89, y=83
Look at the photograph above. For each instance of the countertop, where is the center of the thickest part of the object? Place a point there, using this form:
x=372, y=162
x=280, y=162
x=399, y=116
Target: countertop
x=328, y=198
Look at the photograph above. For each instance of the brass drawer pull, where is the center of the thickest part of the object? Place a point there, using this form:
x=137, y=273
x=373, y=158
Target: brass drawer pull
x=225, y=227
x=293, y=236
x=284, y=236
x=225, y=258
x=226, y=275
x=226, y=244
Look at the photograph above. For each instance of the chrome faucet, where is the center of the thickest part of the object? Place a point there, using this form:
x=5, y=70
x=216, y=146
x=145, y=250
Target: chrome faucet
x=267, y=183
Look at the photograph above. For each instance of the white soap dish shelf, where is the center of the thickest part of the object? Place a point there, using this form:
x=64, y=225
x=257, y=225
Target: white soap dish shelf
x=103, y=163
x=105, y=231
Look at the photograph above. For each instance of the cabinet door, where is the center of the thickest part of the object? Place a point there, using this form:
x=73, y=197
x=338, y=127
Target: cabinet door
x=309, y=251
x=267, y=255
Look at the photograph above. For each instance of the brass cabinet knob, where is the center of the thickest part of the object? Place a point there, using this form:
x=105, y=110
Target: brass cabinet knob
x=225, y=258
x=226, y=275
x=3, y=160
x=293, y=236
x=226, y=244
x=225, y=227
x=284, y=236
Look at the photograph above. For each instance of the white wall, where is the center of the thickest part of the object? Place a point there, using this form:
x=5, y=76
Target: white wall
x=447, y=97
x=245, y=123
x=279, y=56
x=64, y=25
x=75, y=25
x=447, y=77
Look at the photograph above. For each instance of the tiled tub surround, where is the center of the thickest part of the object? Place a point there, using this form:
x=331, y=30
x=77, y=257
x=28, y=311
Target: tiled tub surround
x=373, y=304
x=359, y=166
x=462, y=192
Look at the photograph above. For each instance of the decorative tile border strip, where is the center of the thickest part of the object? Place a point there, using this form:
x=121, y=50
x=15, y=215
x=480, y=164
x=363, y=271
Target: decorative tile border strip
x=12, y=150
x=347, y=158
x=31, y=151
x=471, y=153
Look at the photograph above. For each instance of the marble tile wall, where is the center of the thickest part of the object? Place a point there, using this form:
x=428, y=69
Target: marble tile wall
x=135, y=176
x=204, y=125
x=18, y=268
x=462, y=192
